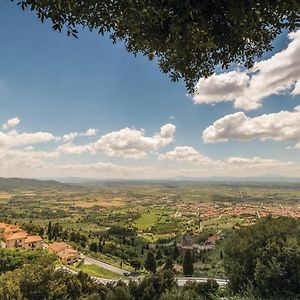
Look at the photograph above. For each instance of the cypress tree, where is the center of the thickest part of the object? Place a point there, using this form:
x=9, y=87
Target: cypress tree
x=169, y=264
x=49, y=230
x=158, y=255
x=150, y=263
x=188, y=268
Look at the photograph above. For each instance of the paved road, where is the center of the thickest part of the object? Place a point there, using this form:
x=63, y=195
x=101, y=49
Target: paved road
x=91, y=261
x=180, y=280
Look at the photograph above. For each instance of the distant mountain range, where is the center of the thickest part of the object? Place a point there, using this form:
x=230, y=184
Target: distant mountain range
x=7, y=184
x=220, y=179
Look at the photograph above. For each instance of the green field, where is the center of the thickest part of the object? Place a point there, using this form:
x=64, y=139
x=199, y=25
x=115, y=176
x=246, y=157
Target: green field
x=97, y=271
x=146, y=220
x=122, y=220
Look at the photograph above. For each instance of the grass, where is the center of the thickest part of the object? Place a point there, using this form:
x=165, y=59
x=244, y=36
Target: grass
x=146, y=220
x=97, y=271
x=114, y=261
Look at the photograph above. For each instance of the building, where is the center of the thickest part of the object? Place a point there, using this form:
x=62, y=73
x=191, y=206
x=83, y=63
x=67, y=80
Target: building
x=12, y=236
x=187, y=244
x=65, y=252
x=33, y=242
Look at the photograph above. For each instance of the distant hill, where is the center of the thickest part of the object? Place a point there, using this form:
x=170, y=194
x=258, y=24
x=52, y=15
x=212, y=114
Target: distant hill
x=8, y=184
x=268, y=179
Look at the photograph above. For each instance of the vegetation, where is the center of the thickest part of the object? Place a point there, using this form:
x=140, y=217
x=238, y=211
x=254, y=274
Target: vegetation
x=187, y=38
x=11, y=259
x=97, y=271
x=150, y=263
x=188, y=268
x=259, y=256
x=265, y=258
x=40, y=280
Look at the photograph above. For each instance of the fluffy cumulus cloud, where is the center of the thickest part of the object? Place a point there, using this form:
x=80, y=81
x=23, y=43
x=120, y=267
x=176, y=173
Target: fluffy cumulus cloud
x=133, y=143
x=186, y=154
x=11, y=123
x=276, y=75
x=20, y=155
x=127, y=143
x=72, y=135
x=40, y=164
x=195, y=163
x=281, y=126
x=15, y=139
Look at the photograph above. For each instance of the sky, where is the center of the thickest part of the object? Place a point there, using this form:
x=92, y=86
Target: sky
x=87, y=108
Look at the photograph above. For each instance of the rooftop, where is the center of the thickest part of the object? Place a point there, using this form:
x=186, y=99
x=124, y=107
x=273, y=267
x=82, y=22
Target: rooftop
x=32, y=239
x=15, y=236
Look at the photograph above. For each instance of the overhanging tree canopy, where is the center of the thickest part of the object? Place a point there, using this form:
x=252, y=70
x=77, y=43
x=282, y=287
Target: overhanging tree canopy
x=189, y=38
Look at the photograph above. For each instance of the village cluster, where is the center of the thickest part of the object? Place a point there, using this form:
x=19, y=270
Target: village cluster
x=206, y=210
x=13, y=236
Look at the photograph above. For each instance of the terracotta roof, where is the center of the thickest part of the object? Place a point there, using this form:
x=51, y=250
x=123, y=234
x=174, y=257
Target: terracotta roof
x=69, y=252
x=57, y=247
x=32, y=239
x=15, y=236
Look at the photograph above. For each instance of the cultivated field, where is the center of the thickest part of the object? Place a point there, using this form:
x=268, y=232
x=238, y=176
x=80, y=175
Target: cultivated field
x=124, y=220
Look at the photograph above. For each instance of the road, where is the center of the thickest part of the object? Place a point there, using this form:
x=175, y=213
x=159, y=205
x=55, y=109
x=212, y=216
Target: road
x=91, y=261
x=180, y=280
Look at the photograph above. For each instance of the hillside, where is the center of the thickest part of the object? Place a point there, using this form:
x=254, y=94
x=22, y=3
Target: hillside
x=7, y=184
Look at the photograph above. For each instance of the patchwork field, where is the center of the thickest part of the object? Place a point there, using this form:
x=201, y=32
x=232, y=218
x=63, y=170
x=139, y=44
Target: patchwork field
x=120, y=223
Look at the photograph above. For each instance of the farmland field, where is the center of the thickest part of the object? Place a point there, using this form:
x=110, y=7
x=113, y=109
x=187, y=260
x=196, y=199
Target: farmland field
x=119, y=223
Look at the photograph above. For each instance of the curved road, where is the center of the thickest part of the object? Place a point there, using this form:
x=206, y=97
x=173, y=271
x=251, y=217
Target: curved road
x=180, y=280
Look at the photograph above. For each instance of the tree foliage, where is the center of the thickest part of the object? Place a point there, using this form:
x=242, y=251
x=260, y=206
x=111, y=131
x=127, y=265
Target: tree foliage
x=188, y=268
x=266, y=257
x=11, y=259
x=188, y=38
x=150, y=263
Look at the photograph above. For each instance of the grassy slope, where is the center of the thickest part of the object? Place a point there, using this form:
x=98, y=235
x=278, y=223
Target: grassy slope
x=146, y=220
x=97, y=271
x=7, y=184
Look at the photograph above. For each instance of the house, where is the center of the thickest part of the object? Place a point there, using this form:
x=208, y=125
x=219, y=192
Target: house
x=187, y=244
x=14, y=240
x=33, y=242
x=65, y=252
x=12, y=236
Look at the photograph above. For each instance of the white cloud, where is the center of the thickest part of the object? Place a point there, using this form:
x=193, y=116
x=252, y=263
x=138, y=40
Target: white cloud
x=200, y=165
x=17, y=160
x=70, y=148
x=247, y=89
x=131, y=143
x=15, y=139
x=281, y=126
x=11, y=123
x=71, y=136
x=257, y=161
x=127, y=143
x=185, y=154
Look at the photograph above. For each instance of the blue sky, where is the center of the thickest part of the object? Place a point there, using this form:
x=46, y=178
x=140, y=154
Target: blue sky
x=58, y=85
